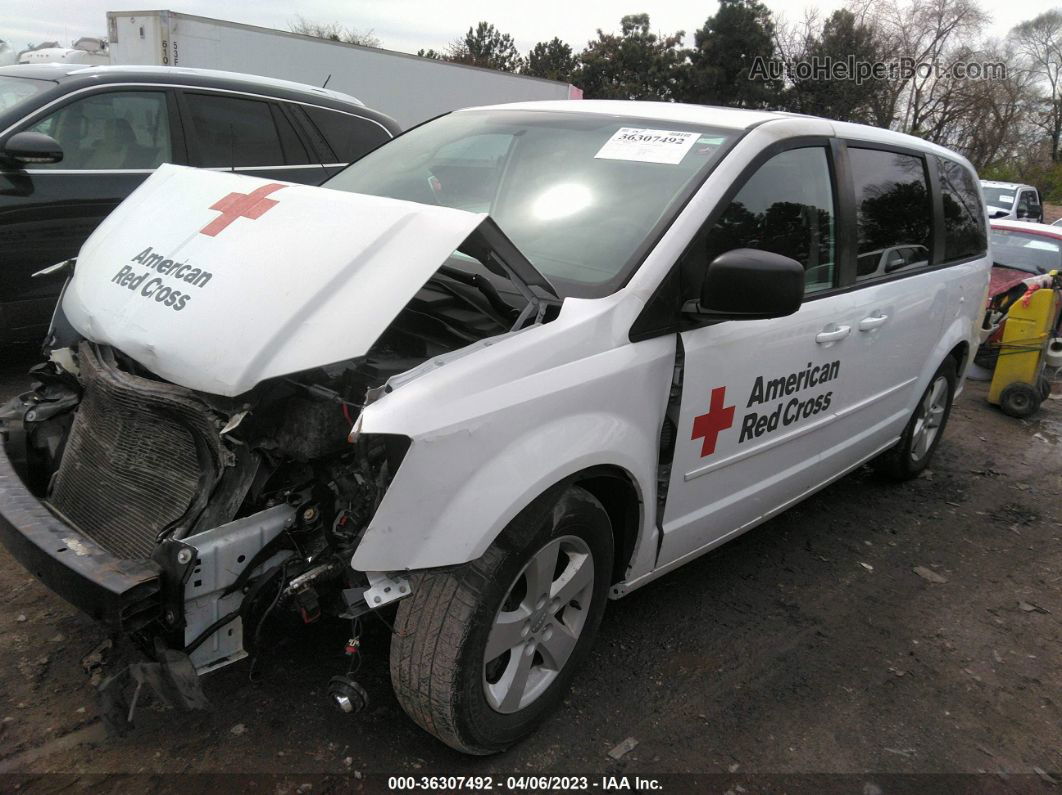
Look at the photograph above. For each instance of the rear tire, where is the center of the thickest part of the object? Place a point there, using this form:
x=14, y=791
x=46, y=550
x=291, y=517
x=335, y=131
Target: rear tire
x=533, y=602
x=911, y=455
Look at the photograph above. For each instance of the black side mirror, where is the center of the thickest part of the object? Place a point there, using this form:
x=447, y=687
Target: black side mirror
x=750, y=284
x=30, y=148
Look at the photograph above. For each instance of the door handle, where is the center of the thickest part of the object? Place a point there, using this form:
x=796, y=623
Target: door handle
x=832, y=335
x=872, y=322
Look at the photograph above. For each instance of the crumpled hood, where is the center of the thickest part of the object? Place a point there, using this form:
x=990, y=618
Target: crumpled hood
x=218, y=281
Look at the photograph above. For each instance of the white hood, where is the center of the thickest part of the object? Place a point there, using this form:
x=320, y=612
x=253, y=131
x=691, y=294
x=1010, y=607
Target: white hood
x=216, y=289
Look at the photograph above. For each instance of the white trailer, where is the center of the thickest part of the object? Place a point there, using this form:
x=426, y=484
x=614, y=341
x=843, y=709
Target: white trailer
x=407, y=88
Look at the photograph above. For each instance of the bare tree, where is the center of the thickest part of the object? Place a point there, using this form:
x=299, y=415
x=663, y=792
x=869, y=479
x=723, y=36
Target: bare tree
x=333, y=31
x=931, y=35
x=1039, y=45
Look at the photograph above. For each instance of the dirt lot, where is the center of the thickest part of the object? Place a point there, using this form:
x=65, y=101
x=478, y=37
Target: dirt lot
x=809, y=645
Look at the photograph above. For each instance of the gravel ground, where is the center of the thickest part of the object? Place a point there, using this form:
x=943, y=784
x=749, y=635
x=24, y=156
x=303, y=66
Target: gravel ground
x=810, y=645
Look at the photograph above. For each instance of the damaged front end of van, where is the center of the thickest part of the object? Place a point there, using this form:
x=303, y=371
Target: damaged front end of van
x=191, y=459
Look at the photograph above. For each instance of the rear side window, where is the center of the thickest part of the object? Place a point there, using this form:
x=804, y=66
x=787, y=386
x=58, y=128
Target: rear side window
x=894, y=212
x=232, y=131
x=349, y=137
x=786, y=207
x=964, y=220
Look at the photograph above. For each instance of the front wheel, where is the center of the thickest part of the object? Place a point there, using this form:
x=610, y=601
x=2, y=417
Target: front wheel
x=920, y=438
x=482, y=653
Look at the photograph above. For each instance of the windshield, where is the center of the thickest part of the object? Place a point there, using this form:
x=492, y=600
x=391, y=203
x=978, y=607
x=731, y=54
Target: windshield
x=580, y=194
x=1026, y=252
x=14, y=90
x=1003, y=198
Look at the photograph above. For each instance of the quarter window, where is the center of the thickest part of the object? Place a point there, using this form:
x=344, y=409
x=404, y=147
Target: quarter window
x=786, y=207
x=964, y=219
x=894, y=212
x=115, y=130
x=348, y=136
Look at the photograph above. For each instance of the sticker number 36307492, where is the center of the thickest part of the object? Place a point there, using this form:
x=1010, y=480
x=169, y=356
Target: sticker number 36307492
x=647, y=146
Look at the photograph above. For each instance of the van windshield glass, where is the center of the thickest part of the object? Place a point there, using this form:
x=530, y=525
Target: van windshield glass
x=580, y=194
x=14, y=90
x=1025, y=251
x=1003, y=198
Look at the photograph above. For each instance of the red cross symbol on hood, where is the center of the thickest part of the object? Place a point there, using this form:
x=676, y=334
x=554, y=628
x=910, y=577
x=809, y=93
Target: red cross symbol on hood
x=707, y=427
x=241, y=205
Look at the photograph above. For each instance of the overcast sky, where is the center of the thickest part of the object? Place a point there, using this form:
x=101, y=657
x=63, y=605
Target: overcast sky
x=408, y=25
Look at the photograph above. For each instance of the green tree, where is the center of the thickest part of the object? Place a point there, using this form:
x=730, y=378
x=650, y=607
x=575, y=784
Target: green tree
x=552, y=60
x=488, y=47
x=842, y=39
x=724, y=52
x=636, y=64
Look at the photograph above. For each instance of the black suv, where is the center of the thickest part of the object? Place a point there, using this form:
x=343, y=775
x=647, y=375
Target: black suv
x=76, y=140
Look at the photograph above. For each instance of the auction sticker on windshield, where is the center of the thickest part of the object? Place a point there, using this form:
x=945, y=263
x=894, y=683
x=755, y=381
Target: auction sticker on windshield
x=647, y=146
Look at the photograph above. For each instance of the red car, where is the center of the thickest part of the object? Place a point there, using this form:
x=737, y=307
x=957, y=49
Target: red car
x=1019, y=249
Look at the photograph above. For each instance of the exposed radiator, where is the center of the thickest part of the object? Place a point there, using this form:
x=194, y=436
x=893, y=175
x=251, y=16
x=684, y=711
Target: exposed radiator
x=141, y=458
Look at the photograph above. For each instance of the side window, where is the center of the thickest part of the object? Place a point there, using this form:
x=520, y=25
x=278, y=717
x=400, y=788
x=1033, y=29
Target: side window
x=1023, y=203
x=233, y=131
x=116, y=130
x=894, y=212
x=350, y=137
x=964, y=219
x=786, y=207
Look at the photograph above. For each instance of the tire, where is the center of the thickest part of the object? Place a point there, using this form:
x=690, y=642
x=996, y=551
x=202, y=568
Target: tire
x=439, y=669
x=1045, y=388
x=911, y=455
x=1020, y=400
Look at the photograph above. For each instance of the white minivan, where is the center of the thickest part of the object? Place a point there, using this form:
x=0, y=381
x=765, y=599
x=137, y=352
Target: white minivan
x=517, y=362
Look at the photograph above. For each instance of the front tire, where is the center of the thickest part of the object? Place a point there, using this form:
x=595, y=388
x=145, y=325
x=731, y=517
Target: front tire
x=483, y=652
x=912, y=453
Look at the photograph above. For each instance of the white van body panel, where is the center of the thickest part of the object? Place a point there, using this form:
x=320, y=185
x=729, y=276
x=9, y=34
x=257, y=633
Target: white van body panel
x=512, y=420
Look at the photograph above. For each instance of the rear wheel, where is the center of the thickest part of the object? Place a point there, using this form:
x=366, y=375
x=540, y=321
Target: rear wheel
x=920, y=438
x=483, y=652
x=1020, y=399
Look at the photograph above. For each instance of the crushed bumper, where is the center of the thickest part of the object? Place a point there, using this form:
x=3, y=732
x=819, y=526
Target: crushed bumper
x=124, y=594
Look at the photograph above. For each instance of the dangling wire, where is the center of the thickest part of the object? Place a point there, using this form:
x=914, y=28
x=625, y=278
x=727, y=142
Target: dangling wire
x=251, y=674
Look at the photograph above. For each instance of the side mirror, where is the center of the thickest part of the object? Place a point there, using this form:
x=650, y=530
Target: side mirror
x=894, y=262
x=29, y=148
x=750, y=284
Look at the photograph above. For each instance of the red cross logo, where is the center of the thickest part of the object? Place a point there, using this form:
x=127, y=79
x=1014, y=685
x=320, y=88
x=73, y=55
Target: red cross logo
x=241, y=205
x=707, y=426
